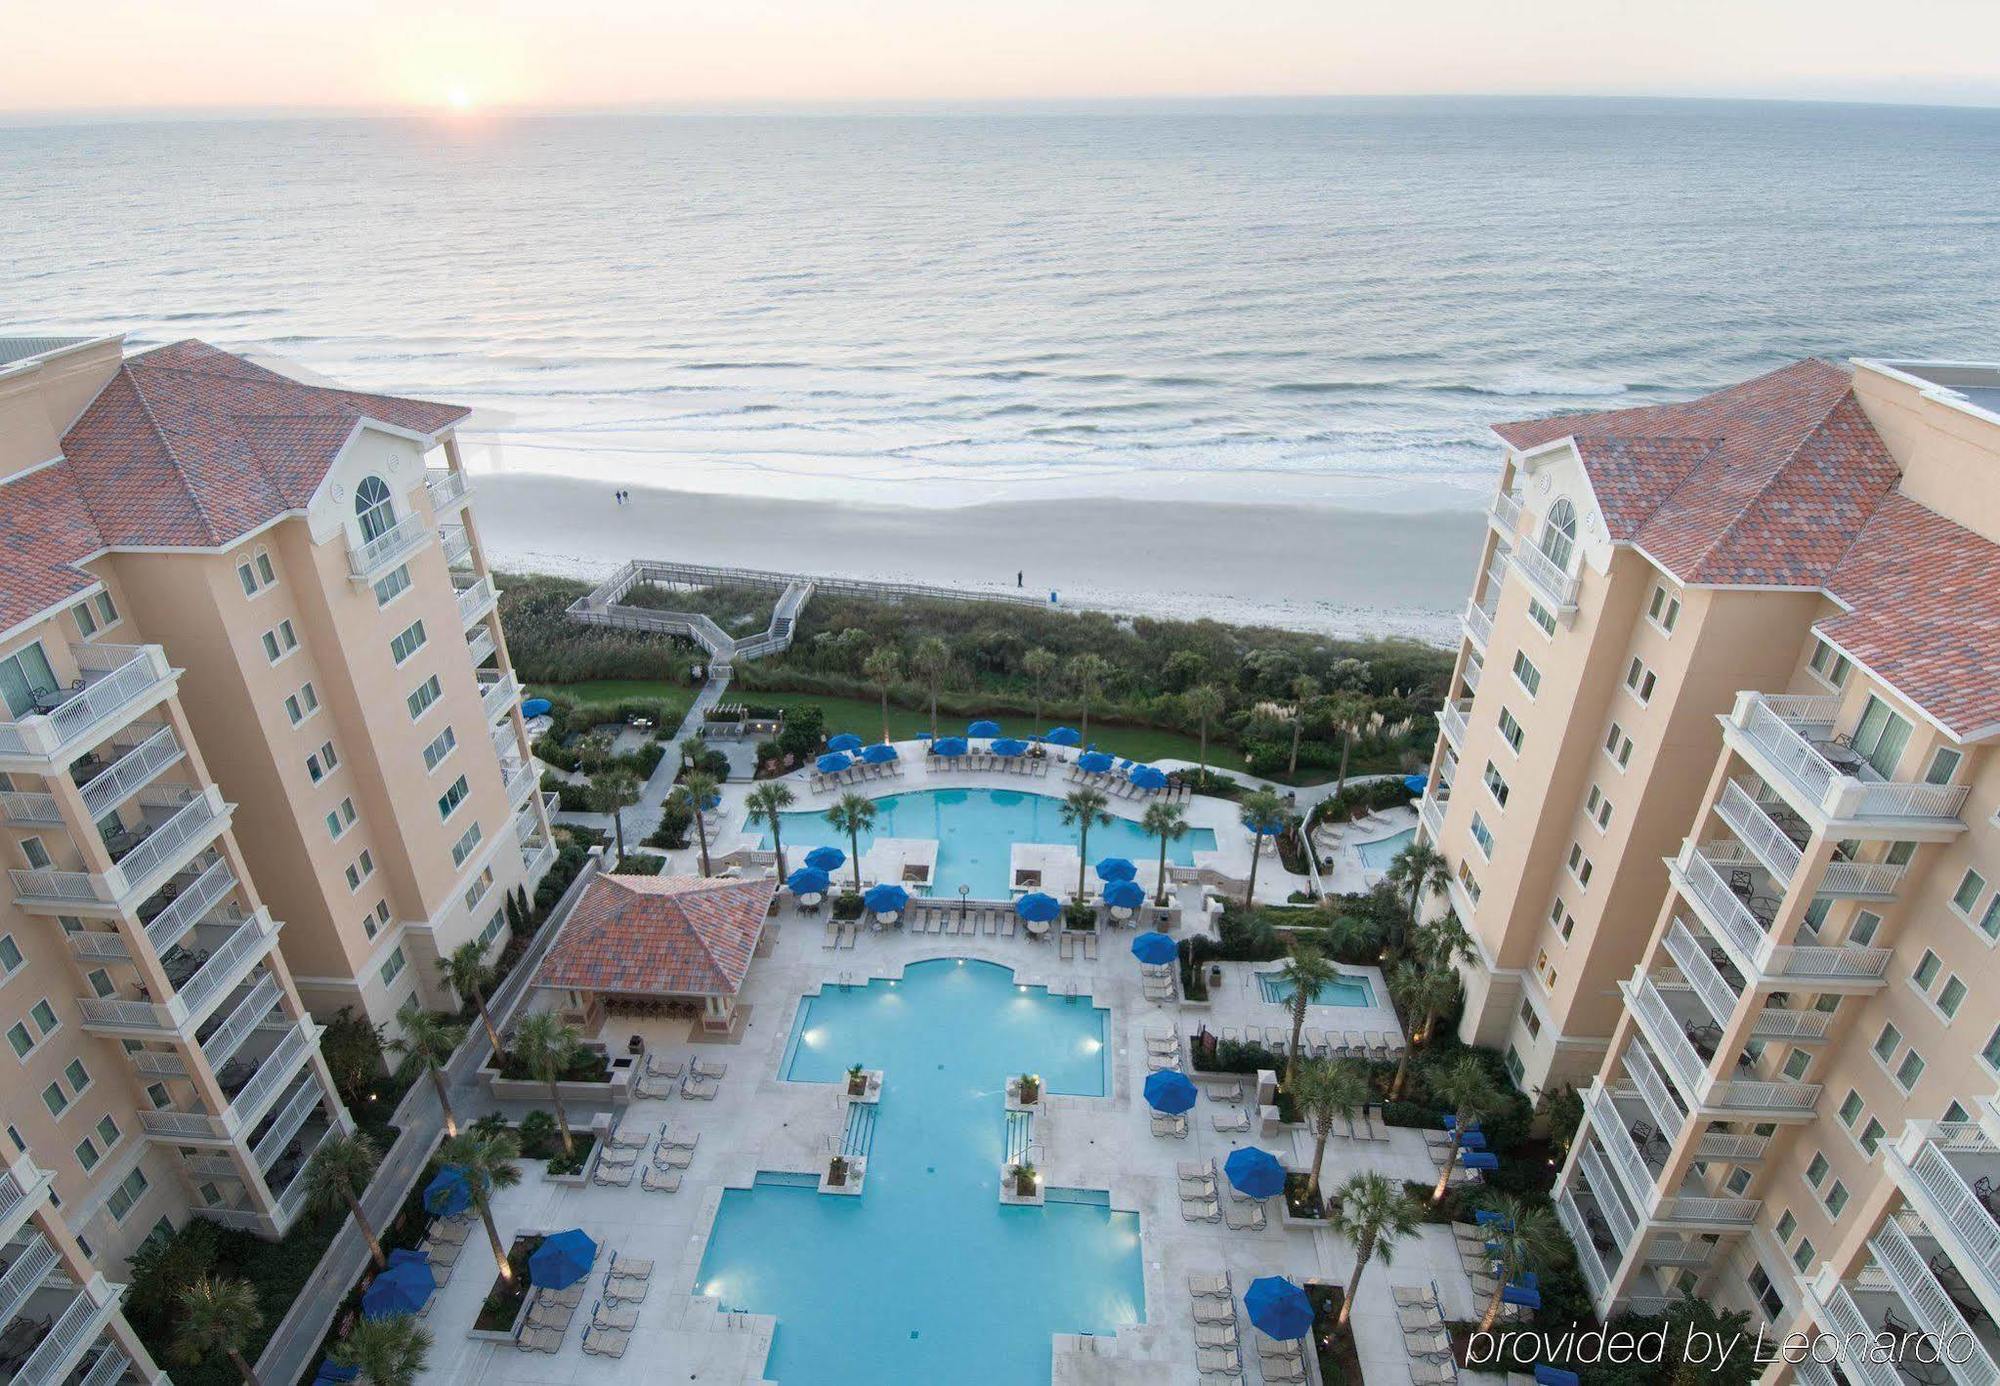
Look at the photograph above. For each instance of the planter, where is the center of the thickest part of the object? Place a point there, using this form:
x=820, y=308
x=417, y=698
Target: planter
x=1293, y=1210
x=1011, y=1194
x=870, y=1087
x=501, y=1325
x=1017, y=1101
x=844, y=1175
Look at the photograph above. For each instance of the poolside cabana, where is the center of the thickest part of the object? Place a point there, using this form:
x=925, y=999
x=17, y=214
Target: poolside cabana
x=664, y=945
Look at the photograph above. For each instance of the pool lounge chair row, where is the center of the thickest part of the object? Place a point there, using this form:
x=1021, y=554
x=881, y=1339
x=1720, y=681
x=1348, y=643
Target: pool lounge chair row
x=840, y=934
x=854, y=774
x=1319, y=1044
x=1076, y=943
x=1198, y=1190
x=943, y=917
x=986, y=760
x=1424, y=1338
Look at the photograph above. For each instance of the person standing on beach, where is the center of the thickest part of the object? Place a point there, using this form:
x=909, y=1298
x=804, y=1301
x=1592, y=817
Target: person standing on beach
x=1020, y=578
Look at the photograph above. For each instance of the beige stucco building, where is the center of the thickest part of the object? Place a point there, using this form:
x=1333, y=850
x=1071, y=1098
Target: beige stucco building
x=1718, y=798
x=261, y=759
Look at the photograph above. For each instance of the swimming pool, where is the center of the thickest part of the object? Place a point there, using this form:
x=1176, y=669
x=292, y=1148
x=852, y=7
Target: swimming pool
x=1343, y=990
x=925, y=1276
x=1379, y=854
x=976, y=830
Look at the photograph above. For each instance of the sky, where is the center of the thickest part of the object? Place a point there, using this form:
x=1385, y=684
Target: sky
x=137, y=57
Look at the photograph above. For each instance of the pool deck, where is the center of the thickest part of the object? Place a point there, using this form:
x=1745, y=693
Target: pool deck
x=759, y=1122
x=1340, y=847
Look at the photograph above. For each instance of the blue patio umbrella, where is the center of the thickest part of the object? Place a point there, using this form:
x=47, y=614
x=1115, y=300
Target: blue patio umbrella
x=1062, y=736
x=448, y=1194
x=845, y=741
x=1154, y=948
x=536, y=707
x=1124, y=895
x=1094, y=762
x=1486, y=1217
x=401, y=1289
x=1149, y=777
x=1416, y=784
x=1478, y=1159
x=1451, y=1122
x=949, y=746
x=833, y=762
x=1270, y=827
x=983, y=728
x=1008, y=746
x=886, y=898
x=1037, y=908
x=1546, y=1375
x=1115, y=869
x=562, y=1259
x=1278, y=1307
x=332, y=1372
x=1255, y=1172
x=826, y=859
x=808, y=880
x=1169, y=1091
x=1473, y=1140
x=881, y=753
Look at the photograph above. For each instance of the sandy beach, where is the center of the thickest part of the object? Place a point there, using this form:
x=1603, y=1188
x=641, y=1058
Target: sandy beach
x=1334, y=571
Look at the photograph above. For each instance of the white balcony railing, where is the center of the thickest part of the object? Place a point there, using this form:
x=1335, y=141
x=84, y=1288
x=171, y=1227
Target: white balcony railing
x=1623, y=1228
x=1669, y=1041
x=368, y=560
x=1734, y=1147
x=1451, y=721
x=475, y=601
x=273, y=1072
x=1933, y=1186
x=1549, y=580
x=131, y=772
x=66, y=1340
x=183, y=1125
x=1757, y=830
x=1935, y=1312
x=1474, y=670
x=156, y=1064
x=251, y=940
x=1479, y=624
x=1700, y=972
x=446, y=487
x=1432, y=809
x=1506, y=512
x=30, y=806
x=1838, y=1311
x=1717, y=1212
x=298, y=1107
x=479, y=645
x=496, y=694
x=1617, y=1139
x=457, y=542
x=191, y=906
x=1782, y=731
x=1721, y=908
x=519, y=779
x=242, y=1021
x=29, y=1269
x=535, y=864
x=119, y=680
x=109, y=1368
x=1586, y=1250
x=167, y=847
x=97, y=946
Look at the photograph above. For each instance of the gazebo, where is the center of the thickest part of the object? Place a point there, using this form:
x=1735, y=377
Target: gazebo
x=662, y=945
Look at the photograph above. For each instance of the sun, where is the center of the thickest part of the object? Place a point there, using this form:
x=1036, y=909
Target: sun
x=459, y=99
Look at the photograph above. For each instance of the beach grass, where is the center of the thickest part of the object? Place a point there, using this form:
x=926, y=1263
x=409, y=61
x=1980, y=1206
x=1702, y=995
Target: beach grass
x=608, y=693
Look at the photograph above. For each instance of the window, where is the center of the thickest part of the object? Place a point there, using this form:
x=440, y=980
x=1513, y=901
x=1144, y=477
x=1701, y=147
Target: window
x=1803, y=1255
x=1944, y=764
x=392, y=585
x=1767, y=1296
x=1738, y=1181
x=1836, y=1198
x=1559, y=534
x=26, y=678
x=1787, y=1224
x=1526, y=674
x=1951, y=996
x=1579, y=865
x=393, y=968
x=360, y=869
x=1991, y=1052
x=462, y=848
x=302, y=704
x=1888, y=1042
x=1866, y=922
x=77, y=1076
x=87, y=1154
x=1542, y=616
x=43, y=1017
x=1880, y=737
x=1496, y=785
x=53, y=1099
x=35, y=854
x=493, y=927
x=1829, y=663
x=449, y=801
x=280, y=641
x=1796, y=1064
x=1618, y=746
x=322, y=762
x=1665, y=609
x=10, y=956
x=1530, y=1022
x=1989, y=922
x=1908, y=1071
x=1598, y=807
x=1465, y=878
x=1926, y=971
x=373, y=508
x=129, y=1191
x=1850, y=1108
x=407, y=642
x=476, y=892
x=1515, y=1068
x=255, y=572
x=1640, y=681
x=1510, y=730
x=1871, y=1136
x=428, y=692
x=1970, y=887
x=1817, y=1168
x=86, y=625
x=1482, y=835
x=107, y=1131
x=441, y=746
x=340, y=819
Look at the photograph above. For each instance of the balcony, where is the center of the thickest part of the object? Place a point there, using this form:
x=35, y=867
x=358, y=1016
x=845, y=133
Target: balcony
x=1478, y=621
x=497, y=693
x=1636, y=1147
x=1925, y=1283
x=108, y=1367
x=221, y=1042
x=173, y=833
x=1432, y=809
x=1505, y=514
x=63, y=1346
x=536, y=864
x=119, y=682
x=528, y=831
x=1549, y=581
x=457, y=544
x=22, y=1188
x=1673, y=1038
x=291, y=1116
x=1940, y=1168
x=138, y=766
x=479, y=645
x=1843, y=1317
x=1451, y=721
x=1738, y=925
x=1790, y=740
x=476, y=601
x=203, y=976
x=252, y=1090
x=369, y=559
x=519, y=779
x=188, y=903
x=30, y=808
x=1475, y=668
x=32, y=1262
x=446, y=487
x=1612, y=1215
x=1587, y=1254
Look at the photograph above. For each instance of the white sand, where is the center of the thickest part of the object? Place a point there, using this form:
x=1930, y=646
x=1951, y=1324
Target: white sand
x=1334, y=571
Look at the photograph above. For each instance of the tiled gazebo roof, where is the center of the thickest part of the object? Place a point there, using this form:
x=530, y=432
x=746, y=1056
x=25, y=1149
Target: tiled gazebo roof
x=660, y=936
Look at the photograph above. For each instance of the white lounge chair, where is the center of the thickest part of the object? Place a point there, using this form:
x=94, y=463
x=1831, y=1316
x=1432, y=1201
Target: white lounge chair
x=1204, y=1285
x=533, y=1339
x=1236, y=1121
x=1214, y=1311
x=619, y=1176
x=1200, y=1209
x=1174, y=1126
x=699, y=1088
x=1244, y=1217
x=1215, y=1335
x=673, y=1141
x=1225, y=1361
x=673, y=1157
x=605, y=1342
x=637, y=1267
x=626, y=1289
x=657, y=1180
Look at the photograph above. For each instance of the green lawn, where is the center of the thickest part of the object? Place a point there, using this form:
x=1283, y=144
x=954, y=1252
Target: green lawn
x=608, y=693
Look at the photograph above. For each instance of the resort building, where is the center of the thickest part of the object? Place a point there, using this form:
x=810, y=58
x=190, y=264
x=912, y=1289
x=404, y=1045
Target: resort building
x=1739, y=659
x=260, y=760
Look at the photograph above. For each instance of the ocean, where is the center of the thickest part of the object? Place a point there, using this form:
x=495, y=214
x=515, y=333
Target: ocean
x=1306, y=303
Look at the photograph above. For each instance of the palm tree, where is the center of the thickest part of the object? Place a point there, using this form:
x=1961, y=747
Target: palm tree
x=1083, y=809
x=1038, y=664
x=853, y=815
x=1204, y=703
x=217, y=1316
x=767, y=804
x=1087, y=673
x=547, y=1047
x=426, y=1045
x=1346, y=711
x=1527, y=1238
x=1305, y=972
x=1424, y=993
x=467, y=972
x=1167, y=822
x=1469, y=1090
x=1373, y=1213
x=1327, y=1091
x=487, y=1160
x=389, y=1351
x=612, y=791
x=336, y=1176
x=882, y=669
x=1305, y=690
x=1442, y=942
x=1264, y=814
x=1421, y=870
x=700, y=788
x=930, y=660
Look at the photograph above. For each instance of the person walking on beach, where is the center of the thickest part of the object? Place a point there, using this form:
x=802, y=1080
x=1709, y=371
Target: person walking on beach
x=1020, y=578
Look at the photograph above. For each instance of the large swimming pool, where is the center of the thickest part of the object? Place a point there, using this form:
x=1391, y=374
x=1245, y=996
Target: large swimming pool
x=976, y=830
x=925, y=1276
x=1382, y=852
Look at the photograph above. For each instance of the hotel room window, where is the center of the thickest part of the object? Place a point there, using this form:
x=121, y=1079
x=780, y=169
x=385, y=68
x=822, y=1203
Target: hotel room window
x=1665, y=610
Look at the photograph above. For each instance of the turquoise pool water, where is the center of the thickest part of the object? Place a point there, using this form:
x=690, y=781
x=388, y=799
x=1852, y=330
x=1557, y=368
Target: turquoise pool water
x=925, y=1277
x=976, y=830
x=1341, y=991
x=1377, y=855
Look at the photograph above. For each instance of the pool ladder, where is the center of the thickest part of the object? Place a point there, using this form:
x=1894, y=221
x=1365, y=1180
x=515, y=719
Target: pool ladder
x=860, y=1136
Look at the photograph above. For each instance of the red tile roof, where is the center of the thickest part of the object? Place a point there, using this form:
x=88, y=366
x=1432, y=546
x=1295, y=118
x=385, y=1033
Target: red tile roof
x=660, y=935
x=187, y=446
x=1762, y=484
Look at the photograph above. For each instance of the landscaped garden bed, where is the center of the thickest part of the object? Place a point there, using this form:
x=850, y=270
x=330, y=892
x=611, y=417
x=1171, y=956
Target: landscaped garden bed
x=500, y=1313
x=1339, y=1363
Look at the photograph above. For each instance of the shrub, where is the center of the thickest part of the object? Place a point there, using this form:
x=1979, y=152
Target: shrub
x=642, y=864
x=539, y=1136
x=804, y=732
x=1081, y=917
x=846, y=906
x=676, y=817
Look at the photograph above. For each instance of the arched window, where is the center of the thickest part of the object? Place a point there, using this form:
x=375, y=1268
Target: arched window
x=372, y=504
x=1559, y=534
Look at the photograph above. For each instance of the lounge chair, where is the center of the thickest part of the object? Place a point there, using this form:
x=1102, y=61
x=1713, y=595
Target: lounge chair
x=1200, y=1209
x=638, y=1267
x=605, y=1342
x=1009, y=924
x=1230, y=1036
x=623, y=1318
x=1426, y=1371
x=619, y=1176
x=1244, y=1217
x=615, y=1155
x=1378, y=1044
x=1196, y=1169
x=1356, y=1046
x=1285, y=1369
x=1236, y=1121
x=547, y=1313
x=1415, y=1294
x=1174, y=1126
x=710, y=1068
x=1066, y=946
x=1090, y=947
x=1271, y=1349
x=442, y=1253
x=670, y=1141
x=1214, y=1311
x=1156, y=1062
x=1215, y=1335
x=650, y=1086
x=1204, y=1285
x=657, y=1180
x=533, y=1339
x=626, y=1289
x=672, y=1157
x=1227, y=1361
x=703, y=1089
x=450, y=1229
x=832, y=939
x=1226, y=1092
x=1316, y=1043
x=1417, y=1317
x=1426, y=1342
